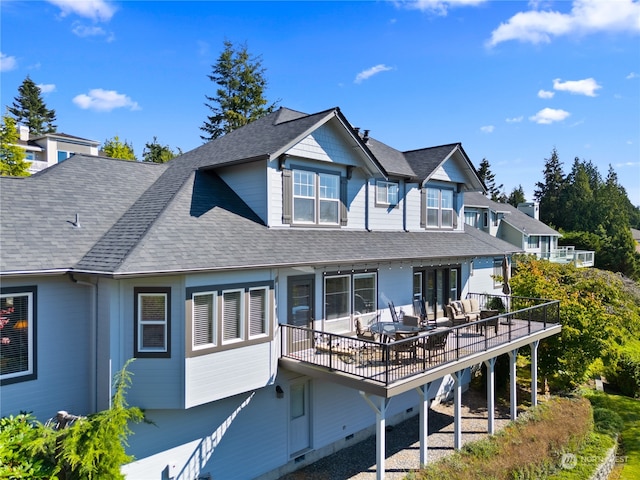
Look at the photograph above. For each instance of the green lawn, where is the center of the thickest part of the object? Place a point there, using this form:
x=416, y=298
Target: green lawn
x=629, y=409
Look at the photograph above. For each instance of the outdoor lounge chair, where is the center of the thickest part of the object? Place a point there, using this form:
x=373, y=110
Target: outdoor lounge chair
x=454, y=317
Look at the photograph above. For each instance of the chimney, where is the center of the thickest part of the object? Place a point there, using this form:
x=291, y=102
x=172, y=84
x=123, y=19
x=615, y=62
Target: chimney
x=530, y=208
x=24, y=132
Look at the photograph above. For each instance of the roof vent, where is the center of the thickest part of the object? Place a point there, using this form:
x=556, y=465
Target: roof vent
x=365, y=137
x=76, y=223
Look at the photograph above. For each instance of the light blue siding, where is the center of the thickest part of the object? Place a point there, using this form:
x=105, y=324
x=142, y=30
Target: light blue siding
x=249, y=181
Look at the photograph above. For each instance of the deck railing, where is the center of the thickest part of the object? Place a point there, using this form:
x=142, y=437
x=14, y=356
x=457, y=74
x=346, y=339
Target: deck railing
x=387, y=362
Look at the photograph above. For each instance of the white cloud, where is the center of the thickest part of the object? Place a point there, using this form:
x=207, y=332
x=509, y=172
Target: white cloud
x=97, y=10
x=487, y=129
x=47, y=87
x=632, y=75
x=585, y=17
x=85, y=31
x=587, y=87
x=366, y=74
x=7, y=62
x=439, y=7
x=545, y=94
x=104, y=100
x=549, y=115
x=515, y=119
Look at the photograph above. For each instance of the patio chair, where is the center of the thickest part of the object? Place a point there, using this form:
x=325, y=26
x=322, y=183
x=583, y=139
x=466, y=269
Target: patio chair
x=364, y=334
x=436, y=343
x=454, y=317
x=408, y=346
x=420, y=309
x=394, y=314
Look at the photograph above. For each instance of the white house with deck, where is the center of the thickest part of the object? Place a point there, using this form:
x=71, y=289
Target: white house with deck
x=236, y=275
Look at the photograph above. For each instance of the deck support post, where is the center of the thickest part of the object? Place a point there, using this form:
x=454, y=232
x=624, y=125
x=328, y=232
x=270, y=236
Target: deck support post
x=379, y=405
x=423, y=391
x=491, y=393
x=534, y=372
x=457, y=410
x=513, y=397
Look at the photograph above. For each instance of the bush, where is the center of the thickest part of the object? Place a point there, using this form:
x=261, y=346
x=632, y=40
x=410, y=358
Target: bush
x=624, y=373
x=607, y=421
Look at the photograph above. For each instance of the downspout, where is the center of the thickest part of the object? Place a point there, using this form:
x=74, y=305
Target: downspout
x=404, y=206
x=93, y=343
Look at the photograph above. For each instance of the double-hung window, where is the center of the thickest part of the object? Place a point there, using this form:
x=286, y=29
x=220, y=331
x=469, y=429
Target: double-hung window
x=439, y=208
x=386, y=193
x=258, y=311
x=17, y=334
x=152, y=325
x=204, y=319
x=232, y=316
x=316, y=198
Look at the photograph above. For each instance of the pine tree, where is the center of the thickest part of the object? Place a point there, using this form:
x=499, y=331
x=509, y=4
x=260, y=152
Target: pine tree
x=240, y=97
x=12, y=157
x=489, y=180
x=156, y=153
x=30, y=110
x=516, y=196
x=549, y=193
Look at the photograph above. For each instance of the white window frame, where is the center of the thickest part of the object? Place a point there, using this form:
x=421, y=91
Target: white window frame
x=214, y=320
x=28, y=373
x=387, y=193
x=141, y=323
x=471, y=218
x=241, y=318
x=533, y=242
x=341, y=323
x=435, y=203
x=316, y=191
x=265, y=318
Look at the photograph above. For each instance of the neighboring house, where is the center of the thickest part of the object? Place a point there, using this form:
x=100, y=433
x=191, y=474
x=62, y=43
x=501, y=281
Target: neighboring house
x=46, y=150
x=521, y=227
x=235, y=275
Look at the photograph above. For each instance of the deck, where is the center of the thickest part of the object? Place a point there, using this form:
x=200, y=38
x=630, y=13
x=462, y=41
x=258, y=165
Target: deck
x=390, y=368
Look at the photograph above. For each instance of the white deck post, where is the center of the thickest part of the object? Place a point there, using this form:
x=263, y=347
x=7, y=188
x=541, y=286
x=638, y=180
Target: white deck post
x=534, y=372
x=380, y=407
x=457, y=411
x=513, y=355
x=423, y=390
x=491, y=393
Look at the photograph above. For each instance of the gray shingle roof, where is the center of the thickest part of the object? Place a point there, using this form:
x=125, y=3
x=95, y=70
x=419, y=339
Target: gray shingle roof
x=149, y=218
x=514, y=217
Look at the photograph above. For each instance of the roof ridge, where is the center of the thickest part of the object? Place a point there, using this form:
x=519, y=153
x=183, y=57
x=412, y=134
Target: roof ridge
x=455, y=144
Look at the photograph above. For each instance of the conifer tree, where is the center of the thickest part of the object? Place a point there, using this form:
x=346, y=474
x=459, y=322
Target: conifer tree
x=12, y=157
x=549, y=193
x=154, y=152
x=489, y=180
x=516, y=196
x=30, y=110
x=239, y=98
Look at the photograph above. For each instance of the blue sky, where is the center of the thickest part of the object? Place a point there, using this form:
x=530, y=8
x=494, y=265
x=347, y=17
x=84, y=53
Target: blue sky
x=510, y=80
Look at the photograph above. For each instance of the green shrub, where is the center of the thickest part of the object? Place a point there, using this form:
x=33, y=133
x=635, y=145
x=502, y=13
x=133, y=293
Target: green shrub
x=625, y=373
x=607, y=421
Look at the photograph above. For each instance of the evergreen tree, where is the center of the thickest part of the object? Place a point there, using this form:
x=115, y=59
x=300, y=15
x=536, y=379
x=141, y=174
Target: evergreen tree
x=549, y=193
x=115, y=148
x=579, y=201
x=516, y=196
x=239, y=98
x=12, y=157
x=489, y=180
x=156, y=153
x=29, y=109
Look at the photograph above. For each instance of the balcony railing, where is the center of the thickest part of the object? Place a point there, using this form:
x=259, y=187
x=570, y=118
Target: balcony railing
x=386, y=362
x=568, y=254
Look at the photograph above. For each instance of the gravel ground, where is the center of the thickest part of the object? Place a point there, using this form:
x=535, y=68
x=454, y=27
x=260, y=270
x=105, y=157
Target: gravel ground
x=358, y=462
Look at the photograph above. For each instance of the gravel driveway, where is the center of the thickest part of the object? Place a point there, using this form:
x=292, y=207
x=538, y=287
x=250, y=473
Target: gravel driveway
x=358, y=462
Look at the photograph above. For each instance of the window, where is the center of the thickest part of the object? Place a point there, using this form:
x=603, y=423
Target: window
x=232, y=315
x=386, y=193
x=17, y=334
x=533, y=241
x=440, y=286
x=62, y=155
x=471, y=218
x=485, y=219
x=314, y=198
x=439, y=208
x=258, y=311
x=347, y=296
x=497, y=272
x=151, y=334
x=204, y=319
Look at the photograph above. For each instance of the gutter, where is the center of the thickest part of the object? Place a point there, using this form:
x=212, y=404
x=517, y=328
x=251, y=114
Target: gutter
x=93, y=342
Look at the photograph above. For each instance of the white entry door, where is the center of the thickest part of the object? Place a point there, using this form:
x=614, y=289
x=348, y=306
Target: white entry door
x=299, y=417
